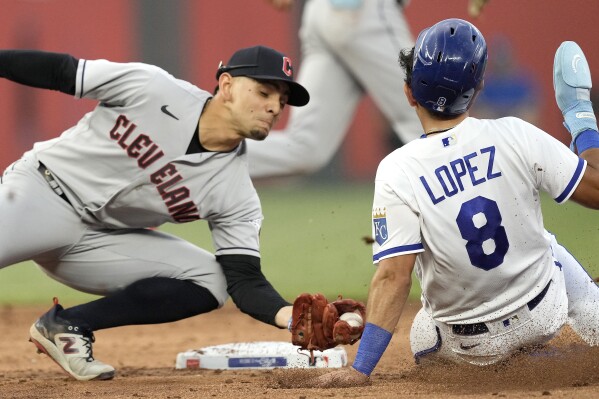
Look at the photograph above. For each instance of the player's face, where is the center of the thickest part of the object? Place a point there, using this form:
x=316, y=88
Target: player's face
x=258, y=106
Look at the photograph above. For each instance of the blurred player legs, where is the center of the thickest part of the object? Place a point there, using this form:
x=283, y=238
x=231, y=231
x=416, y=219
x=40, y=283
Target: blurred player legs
x=347, y=53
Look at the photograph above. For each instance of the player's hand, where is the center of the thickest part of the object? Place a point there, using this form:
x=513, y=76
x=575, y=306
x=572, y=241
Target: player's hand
x=349, y=377
x=475, y=7
x=281, y=5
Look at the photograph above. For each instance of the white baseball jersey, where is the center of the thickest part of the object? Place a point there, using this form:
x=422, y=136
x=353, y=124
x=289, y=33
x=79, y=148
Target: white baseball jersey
x=133, y=171
x=467, y=200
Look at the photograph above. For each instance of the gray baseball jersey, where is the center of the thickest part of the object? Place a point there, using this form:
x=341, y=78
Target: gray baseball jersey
x=123, y=168
x=133, y=170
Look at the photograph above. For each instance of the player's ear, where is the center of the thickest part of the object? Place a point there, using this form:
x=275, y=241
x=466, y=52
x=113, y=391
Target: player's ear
x=408, y=92
x=225, y=85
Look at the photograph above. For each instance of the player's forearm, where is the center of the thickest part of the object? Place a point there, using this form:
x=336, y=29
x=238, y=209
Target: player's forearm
x=40, y=69
x=388, y=293
x=251, y=292
x=587, y=192
x=592, y=157
x=590, y=181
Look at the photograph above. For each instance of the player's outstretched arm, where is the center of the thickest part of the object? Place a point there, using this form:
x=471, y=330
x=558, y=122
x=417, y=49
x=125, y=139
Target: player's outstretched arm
x=251, y=291
x=587, y=192
x=40, y=69
x=388, y=293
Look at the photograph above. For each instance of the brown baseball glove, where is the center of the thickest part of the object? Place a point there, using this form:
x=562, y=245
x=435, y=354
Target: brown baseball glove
x=315, y=324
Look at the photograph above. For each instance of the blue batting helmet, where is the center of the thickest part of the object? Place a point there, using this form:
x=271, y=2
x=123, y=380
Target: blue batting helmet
x=449, y=64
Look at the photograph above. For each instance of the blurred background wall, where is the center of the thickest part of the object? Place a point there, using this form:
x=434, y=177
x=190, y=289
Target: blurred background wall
x=190, y=37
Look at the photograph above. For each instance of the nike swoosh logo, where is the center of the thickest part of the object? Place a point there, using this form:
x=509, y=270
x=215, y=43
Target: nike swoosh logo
x=466, y=347
x=577, y=58
x=166, y=111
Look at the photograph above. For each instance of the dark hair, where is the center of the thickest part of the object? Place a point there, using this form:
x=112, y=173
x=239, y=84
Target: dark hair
x=406, y=61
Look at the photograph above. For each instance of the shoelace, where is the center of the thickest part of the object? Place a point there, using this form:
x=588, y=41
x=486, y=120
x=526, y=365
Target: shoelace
x=88, y=341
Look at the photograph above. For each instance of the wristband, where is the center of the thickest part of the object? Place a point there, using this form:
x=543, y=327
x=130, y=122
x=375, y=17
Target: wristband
x=586, y=140
x=374, y=342
x=289, y=323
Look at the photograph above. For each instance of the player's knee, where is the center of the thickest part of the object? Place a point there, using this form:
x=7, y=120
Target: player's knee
x=307, y=155
x=309, y=168
x=307, y=162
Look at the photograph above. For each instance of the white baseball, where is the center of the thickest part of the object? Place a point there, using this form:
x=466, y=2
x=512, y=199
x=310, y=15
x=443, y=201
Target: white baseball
x=352, y=318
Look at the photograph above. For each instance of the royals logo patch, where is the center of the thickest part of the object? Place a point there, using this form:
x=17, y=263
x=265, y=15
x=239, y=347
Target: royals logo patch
x=379, y=222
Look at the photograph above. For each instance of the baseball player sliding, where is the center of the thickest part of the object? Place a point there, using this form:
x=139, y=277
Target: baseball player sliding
x=156, y=149
x=461, y=206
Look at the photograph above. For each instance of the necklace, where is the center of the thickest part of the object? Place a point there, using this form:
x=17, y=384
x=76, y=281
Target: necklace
x=432, y=131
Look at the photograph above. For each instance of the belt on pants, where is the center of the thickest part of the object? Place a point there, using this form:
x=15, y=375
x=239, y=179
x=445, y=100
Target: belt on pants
x=481, y=328
x=52, y=182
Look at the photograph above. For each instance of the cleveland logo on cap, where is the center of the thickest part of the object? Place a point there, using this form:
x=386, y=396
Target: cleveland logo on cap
x=287, y=68
x=264, y=63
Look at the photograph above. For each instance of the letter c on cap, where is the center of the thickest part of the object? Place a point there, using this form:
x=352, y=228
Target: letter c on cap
x=287, y=69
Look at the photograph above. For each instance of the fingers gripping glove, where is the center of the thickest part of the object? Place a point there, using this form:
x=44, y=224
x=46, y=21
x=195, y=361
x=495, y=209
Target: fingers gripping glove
x=315, y=323
x=572, y=84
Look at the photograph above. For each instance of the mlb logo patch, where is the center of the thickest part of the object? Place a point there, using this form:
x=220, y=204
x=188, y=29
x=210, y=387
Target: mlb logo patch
x=447, y=141
x=511, y=321
x=379, y=223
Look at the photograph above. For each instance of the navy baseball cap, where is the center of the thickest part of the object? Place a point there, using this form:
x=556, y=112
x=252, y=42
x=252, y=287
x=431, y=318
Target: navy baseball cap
x=264, y=63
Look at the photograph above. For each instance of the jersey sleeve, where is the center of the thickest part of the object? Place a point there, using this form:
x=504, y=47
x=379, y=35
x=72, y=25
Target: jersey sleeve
x=112, y=83
x=395, y=223
x=41, y=69
x=555, y=168
x=238, y=232
x=239, y=237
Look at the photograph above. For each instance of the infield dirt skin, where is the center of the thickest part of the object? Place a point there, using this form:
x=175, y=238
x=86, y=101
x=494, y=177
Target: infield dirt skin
x=145, y=357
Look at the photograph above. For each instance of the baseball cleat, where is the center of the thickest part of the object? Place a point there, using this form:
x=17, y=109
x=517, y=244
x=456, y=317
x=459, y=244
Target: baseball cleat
x=572, y=84
x=69, y=346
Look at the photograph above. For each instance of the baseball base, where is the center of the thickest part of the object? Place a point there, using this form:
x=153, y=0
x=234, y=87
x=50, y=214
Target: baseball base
x=258, y=355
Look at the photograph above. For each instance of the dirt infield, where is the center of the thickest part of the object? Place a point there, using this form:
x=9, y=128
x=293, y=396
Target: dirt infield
x=145, y=356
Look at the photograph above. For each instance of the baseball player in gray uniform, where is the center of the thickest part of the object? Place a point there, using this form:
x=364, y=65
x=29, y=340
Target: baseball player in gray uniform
x=349, y=50
x=155, y=149
x=461, y=206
